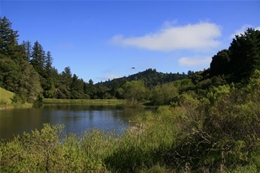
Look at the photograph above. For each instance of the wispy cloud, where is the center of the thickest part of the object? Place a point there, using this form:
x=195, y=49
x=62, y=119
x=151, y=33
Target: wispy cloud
x=200, y=36
x=108, y=77
x=242, y=30
x=194, y=61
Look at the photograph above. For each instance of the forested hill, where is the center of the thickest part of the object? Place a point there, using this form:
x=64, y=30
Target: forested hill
x=150, y=77
x=26, y=69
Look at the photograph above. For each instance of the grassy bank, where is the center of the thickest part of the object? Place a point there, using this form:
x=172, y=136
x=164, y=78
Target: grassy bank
x=5, y=98
x=88, y=102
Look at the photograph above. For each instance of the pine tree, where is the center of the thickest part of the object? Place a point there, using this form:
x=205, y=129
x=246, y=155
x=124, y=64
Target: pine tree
x=8, y=37
x=28, y=49
x=38, y=58
x=48, y=65
x=245, y=54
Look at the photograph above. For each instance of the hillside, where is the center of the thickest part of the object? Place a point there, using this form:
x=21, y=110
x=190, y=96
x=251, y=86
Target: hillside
x=5, y=97
x=150, y=77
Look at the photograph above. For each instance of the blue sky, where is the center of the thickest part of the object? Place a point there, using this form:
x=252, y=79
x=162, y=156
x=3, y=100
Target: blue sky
x=102, y=40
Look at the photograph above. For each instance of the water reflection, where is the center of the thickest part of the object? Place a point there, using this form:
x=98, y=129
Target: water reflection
x=76, y=118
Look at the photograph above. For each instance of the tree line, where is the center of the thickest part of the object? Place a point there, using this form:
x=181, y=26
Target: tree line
x=27, y=70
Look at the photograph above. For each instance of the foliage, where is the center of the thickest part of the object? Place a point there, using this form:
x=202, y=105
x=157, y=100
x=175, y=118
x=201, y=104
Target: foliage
x=16, y=74
x=164, y=94
x=221, y=131
x=134, y=92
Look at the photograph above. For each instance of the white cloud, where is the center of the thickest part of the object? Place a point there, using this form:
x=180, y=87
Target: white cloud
x=194, y=61
x=242, y=30
x=201, y=36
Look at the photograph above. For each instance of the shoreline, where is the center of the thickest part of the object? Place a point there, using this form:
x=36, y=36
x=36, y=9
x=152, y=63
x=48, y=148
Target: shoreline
x=26, y=105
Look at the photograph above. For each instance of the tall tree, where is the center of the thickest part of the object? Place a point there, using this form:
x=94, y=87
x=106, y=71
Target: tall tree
x=77, y=88
x=8, y=37
x=220, y=63
x=134, y=92
x=29, y=83
x=9, y=67
x=48, y=65
x=48, y=81
x=38, y=58
x=63, y=90
x=28, y=49
x=245, y=54
x=90, y=89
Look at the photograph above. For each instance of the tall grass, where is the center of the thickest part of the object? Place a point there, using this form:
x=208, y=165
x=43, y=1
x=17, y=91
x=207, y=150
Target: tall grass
x=151, y=145
x=141, y=148
x=89, y=102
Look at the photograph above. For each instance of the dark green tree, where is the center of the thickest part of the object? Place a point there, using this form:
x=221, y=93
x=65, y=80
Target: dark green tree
x=49, y=77
x=220, y=63
x=63, y=90
x=9, y=66
x=38, y=59
x=77, y=88
x=8, y=37
x=90, y=89
x=245, y=54
x=28, y=49
x=48, y=64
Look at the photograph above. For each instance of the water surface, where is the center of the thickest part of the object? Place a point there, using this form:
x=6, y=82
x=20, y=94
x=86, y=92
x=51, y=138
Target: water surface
x=76, y=118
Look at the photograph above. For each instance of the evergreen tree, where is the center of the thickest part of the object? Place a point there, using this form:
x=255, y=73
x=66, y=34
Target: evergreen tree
x=48, y=65
x=9, y=67
x=245, y=54
x=90, y=89
x=76, y=88
x=63, y=90
x=220, y=63
x=28, y=49
x=8, y=37
x=38, y=58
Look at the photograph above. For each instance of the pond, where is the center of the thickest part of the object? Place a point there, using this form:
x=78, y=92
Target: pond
x=76, y=118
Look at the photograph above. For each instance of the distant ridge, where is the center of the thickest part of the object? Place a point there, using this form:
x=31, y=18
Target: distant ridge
x=150, y=77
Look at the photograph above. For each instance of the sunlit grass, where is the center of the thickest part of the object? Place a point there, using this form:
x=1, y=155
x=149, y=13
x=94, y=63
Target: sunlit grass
x=5, y=97
x=90, y=102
